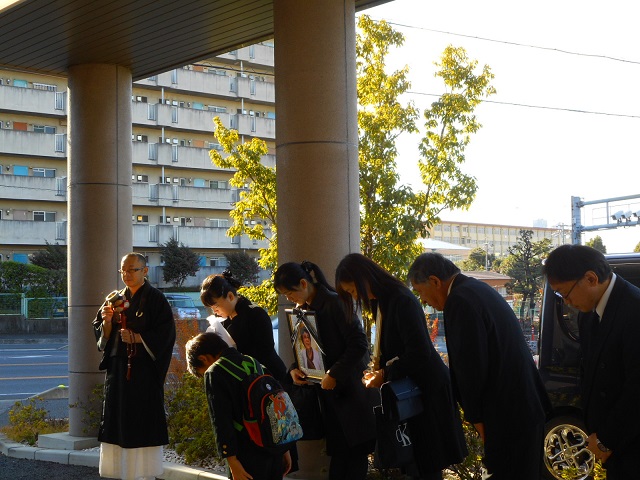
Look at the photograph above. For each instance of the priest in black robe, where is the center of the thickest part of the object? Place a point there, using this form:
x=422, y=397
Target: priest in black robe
x=136, y=332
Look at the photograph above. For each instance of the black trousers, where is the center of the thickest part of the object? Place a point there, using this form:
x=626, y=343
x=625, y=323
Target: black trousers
x=351, y=463
x=516, y=456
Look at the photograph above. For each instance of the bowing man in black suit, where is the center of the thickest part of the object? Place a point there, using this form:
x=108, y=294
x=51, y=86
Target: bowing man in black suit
x=609, y=322
x=492, y=370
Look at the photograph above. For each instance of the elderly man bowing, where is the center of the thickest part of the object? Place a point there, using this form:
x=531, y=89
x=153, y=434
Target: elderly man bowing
x=492, y=370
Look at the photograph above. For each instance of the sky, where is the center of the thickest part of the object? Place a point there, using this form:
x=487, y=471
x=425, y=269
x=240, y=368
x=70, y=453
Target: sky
x=566, y=117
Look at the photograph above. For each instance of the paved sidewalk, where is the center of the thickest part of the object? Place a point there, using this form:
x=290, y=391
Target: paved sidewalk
x=84, y=459
x=49, y=462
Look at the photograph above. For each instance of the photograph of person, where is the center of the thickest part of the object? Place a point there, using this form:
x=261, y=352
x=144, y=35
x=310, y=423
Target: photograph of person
x=308, y=350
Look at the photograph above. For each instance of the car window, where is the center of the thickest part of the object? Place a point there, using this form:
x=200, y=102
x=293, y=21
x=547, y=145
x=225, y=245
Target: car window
x=181, y=302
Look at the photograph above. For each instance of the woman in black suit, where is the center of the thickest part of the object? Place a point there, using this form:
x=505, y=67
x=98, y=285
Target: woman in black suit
x=248, y=324
x=348, y=406
x=403, y=349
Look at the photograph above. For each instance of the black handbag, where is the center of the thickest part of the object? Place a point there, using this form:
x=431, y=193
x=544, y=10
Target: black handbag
x=401, y=399
x=306, y=399
x=394, y=447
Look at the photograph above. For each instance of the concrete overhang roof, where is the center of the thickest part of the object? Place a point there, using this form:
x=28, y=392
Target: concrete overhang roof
x=147, y=36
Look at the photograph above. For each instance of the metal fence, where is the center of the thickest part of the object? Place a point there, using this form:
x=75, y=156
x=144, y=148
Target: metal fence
x=20, y=304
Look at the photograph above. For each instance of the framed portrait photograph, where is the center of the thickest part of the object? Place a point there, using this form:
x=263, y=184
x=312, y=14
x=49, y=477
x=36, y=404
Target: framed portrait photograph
x=305, y=342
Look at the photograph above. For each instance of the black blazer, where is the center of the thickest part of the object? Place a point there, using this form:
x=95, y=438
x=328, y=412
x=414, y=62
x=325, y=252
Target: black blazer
x=346, y=356
x=252, y=331
x=437, y=432
x=611, y=370
x=493, y=372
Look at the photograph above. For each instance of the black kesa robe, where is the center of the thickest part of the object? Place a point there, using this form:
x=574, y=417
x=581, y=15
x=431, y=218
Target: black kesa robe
x=133, y=412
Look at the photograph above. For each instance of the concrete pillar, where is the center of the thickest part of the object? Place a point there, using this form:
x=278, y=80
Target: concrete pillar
x=317, y=132
x=316, y=150
x=99, y=213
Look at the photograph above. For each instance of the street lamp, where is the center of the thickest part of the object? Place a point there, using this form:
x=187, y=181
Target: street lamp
x=486, y=255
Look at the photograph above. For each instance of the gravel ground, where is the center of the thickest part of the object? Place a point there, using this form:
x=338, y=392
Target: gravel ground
x=24, y=469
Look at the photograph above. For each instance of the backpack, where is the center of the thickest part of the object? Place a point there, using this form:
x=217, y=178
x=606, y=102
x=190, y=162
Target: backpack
x=269, y=416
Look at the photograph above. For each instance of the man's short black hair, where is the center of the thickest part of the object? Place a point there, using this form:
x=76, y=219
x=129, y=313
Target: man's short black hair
x=571, y=262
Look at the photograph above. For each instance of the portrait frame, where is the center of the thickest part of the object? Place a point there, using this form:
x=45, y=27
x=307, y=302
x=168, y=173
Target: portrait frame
x=303, y=328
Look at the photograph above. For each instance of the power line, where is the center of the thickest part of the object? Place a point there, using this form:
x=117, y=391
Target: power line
x=542, y=107
x=516, y=44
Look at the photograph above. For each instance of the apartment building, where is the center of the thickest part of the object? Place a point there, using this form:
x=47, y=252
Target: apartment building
x=495, y=238
x=177, y=192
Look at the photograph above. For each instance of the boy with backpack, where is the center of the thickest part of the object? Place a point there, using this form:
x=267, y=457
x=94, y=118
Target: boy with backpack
x=253, y=418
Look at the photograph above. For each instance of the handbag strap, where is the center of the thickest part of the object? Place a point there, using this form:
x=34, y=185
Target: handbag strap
x=375, y=357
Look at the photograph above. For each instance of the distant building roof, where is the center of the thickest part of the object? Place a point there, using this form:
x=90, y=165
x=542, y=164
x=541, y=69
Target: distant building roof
x=431, y=244
x=495, y=279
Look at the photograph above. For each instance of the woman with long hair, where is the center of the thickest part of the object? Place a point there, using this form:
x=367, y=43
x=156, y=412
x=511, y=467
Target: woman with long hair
x=347, y=405
x=403, y=349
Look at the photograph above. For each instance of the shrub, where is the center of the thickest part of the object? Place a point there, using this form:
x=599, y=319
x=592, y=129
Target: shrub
x=190, y=430
x=92, y=410
x=471, y=467
x=28, y=420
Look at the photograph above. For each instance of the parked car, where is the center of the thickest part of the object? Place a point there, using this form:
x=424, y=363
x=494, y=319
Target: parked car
x=183, y=307
x=559, y=365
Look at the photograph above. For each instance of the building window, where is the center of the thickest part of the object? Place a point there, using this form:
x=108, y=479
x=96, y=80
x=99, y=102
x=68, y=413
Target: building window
x=44, y=129
x=218, y=184
x=44, y=172
x=44, y=86
x=61, y=142
x=61, y=100
x=142, y=218
x=40, y=216
x=140, y=178
x=153, y=151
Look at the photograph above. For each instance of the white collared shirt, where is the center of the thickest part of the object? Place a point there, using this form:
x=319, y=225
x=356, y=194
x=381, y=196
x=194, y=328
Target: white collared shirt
x=605, y=297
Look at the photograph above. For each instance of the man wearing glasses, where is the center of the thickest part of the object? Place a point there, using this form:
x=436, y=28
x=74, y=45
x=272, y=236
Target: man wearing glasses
x=135, y=330
x=609, y=323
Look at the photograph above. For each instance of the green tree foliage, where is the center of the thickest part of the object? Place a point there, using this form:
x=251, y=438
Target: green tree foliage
x=449, y=124
x=53, y=257
x=596, y=242
x=243, y=267
x=254, y=214
x=389, y=219
x=17, y=277
x=524, y=265
x=393, y=216
x=478, y=260
x=180, y=262
x=637, y=248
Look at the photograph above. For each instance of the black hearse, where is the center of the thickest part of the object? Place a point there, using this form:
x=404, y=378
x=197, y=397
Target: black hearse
x=559, y=365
